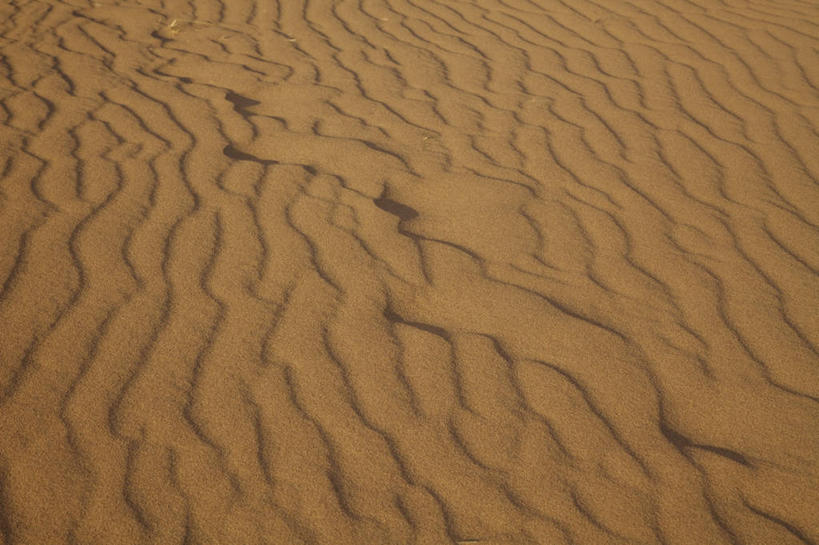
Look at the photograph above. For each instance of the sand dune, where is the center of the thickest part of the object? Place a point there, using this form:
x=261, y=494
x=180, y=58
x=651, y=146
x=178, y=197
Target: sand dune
x=409, y=272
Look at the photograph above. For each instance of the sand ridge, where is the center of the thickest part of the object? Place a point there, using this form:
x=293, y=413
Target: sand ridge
x=409, y=272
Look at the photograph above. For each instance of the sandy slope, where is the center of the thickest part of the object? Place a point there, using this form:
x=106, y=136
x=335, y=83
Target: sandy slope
x=409, y=272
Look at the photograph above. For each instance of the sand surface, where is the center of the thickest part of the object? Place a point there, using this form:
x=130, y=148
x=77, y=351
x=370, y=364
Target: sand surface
x=386, y=272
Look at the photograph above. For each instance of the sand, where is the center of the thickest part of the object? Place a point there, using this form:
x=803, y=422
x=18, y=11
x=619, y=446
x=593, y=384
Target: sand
x=425, y=272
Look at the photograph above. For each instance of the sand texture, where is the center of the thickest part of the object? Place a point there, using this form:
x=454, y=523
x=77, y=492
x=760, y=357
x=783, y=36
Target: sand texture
x=388, y=272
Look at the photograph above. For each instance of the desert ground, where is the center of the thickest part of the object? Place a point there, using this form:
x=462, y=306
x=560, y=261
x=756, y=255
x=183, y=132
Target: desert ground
x=409, y=272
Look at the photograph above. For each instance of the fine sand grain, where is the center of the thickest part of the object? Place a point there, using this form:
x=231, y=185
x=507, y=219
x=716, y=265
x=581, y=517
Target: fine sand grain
x=388, y=272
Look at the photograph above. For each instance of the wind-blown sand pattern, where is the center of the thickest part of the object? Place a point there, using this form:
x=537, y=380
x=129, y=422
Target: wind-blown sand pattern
x=409, y=272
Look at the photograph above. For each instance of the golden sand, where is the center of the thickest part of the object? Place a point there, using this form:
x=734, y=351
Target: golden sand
x=387, y=272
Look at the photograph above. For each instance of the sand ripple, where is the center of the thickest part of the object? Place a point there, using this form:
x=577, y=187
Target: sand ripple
x=409, y=272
